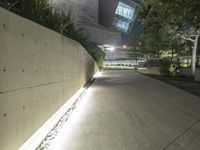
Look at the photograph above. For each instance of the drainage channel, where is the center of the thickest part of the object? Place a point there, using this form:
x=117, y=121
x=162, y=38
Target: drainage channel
x=45, y=143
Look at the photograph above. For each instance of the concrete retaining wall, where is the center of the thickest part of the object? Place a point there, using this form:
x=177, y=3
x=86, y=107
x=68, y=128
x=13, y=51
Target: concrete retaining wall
x=152, y=70
x=197, y=75
x=188, y=73
x=183, y=71
x=39, y=70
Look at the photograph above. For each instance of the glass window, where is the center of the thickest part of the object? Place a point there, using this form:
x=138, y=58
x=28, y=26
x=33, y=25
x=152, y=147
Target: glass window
x=122, y=24
x=124, y=16
x=125, y=11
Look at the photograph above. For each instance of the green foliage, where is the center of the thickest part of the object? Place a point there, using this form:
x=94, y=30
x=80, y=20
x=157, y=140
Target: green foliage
x=96, y=52
x=169, y=27
x=177, y=13
x=178, y=18
x=167, y=67
x=134, y=53
x=173, y=69
x=42, y=12
x=153, y=41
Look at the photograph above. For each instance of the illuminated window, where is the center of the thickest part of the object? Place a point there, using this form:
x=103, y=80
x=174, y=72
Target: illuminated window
x=124, y=16
x=125, y=11
x=122, y=24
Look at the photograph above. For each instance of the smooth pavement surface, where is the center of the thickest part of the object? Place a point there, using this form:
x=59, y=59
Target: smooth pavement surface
x=125, y=110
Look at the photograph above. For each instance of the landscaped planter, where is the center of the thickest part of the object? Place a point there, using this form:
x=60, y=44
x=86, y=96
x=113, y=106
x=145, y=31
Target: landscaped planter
x=186, y=72
x=197, y=75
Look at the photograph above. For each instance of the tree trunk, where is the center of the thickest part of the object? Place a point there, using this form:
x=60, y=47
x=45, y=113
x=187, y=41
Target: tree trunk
x=136, y=63
x=187, y=60
x=194, y=55
x=147, y=60
x=198, y=54
x=172, y=55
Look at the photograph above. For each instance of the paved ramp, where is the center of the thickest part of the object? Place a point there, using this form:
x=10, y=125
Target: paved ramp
x=124, y=110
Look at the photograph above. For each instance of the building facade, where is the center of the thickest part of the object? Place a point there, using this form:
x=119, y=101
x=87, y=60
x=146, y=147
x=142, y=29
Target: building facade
x=106, y=22
x=86, y=15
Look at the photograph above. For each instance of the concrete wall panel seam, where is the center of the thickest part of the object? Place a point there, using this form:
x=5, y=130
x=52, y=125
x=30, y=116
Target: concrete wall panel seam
x=39, y=70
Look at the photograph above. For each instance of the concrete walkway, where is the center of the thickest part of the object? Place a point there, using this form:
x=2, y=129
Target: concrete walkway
x=124, y=110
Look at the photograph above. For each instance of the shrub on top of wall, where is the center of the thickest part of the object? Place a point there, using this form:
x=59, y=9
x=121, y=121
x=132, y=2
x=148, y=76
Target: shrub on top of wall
x=42, y=12
x=96, y=52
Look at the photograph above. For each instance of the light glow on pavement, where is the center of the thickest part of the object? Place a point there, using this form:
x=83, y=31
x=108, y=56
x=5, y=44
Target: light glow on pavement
x=43, y=137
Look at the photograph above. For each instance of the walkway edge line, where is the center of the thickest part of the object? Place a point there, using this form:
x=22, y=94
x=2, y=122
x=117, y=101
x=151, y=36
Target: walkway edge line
x=42, y=138
x=182, y=134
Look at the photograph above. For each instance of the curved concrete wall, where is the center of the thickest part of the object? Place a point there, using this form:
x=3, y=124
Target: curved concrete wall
x=39, y=70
